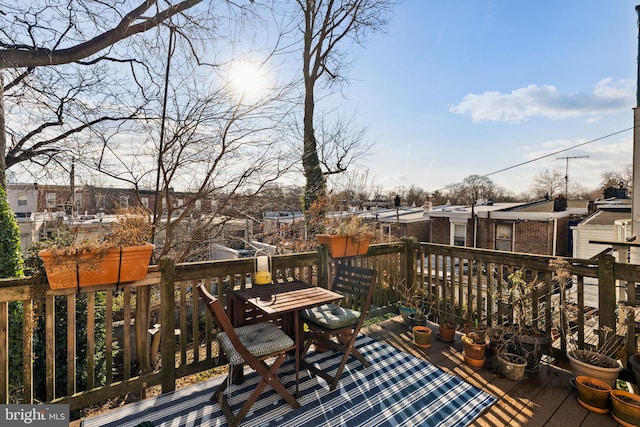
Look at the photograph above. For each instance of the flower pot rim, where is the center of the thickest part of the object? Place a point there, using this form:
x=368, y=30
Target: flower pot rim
x=616, y=391
x=617, y=368
x=513, y=356
x=581, y=379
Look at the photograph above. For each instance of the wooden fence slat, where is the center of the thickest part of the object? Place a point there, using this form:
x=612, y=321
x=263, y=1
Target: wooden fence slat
x=71, y=344
x=91, y=339
x=50, y=344
x=27, y=352
x=4, y=353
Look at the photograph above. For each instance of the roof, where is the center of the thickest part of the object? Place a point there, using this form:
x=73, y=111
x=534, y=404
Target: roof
x=606, y=217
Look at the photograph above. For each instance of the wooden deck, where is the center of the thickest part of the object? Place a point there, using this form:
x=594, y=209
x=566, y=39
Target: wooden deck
x=543, y=398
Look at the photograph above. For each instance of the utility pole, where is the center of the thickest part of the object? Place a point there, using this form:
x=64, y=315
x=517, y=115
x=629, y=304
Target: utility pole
x=566, y=173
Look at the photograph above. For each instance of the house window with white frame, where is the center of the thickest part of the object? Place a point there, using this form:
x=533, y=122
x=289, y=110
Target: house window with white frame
x=22, y=199
x=124, y=201
x=50, y=200
x=504, y=237
x=459, y=234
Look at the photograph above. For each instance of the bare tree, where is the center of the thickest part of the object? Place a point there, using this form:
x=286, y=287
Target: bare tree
x=54, y=33
x=615, y=178
x=328, y=25
x=548, y=183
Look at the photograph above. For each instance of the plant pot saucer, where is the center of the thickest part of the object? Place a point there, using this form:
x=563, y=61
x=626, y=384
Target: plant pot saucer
x=593, y=408
x=622, y=422
x=442, y=339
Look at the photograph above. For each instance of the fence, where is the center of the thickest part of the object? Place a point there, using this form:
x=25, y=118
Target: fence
x=87, y=348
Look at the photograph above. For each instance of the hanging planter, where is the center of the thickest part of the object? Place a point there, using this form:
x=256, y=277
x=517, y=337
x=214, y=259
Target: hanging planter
x=341, y=246
x=116, y=266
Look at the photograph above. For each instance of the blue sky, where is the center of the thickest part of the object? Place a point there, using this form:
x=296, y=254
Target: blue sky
x=454, y=88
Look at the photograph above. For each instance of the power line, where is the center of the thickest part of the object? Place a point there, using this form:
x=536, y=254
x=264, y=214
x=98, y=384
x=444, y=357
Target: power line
x=558, y=152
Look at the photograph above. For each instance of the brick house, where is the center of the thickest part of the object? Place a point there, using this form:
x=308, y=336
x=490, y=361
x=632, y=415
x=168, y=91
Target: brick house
x=540, y=227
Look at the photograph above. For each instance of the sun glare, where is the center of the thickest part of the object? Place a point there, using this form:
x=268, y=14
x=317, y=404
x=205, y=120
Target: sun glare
x=249, y=79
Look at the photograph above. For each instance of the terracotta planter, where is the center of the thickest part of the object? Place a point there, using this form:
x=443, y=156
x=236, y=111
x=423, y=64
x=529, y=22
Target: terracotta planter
x=626, y=407
x=472, y=349
x=446, y=334
x=422, y=336
x=512, y=366
x=605, y=374
x=115, y=267
x=475, y=363
x=593, y=394
x=343, y=246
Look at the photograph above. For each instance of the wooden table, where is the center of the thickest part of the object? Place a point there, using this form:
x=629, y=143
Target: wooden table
x=282, y=299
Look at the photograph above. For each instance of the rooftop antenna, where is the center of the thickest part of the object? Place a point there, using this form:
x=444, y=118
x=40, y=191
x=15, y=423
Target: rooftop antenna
x=566, y=173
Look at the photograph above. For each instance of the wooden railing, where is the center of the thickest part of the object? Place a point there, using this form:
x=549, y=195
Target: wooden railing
x=105, y=342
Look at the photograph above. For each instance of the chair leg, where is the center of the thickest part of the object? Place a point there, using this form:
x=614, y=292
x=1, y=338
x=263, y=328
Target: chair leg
x=268, y=376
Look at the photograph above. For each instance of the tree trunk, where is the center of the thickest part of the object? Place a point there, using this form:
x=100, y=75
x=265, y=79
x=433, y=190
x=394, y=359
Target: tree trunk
x=315, y=186
x=3, y=137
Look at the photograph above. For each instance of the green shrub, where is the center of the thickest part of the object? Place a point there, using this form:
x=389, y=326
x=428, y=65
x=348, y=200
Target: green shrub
x=11, y=264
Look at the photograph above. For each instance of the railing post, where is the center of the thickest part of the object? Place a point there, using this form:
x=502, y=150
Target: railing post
x=606, y=292
x=323, y=267
x=168, y=322
x=409, y=259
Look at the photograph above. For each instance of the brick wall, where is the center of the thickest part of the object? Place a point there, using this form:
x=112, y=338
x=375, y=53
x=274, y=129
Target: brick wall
x=440, y=230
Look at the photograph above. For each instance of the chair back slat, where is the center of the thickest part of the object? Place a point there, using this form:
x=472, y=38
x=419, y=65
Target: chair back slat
x=222, y=320
x=356, y=284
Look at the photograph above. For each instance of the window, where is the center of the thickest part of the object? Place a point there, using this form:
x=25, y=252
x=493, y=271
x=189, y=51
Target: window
x=124, y=201
x=459, y=235
x=22, y=199
x=504, y=233
x=198, y=205
x=144, y=201
x=51, y=200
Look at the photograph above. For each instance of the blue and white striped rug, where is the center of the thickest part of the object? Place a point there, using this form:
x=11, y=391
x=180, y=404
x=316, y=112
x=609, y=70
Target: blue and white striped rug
x=398, y=389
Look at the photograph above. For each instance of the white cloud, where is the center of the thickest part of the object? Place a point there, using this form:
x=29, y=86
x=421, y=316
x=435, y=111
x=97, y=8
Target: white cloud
x=547, y=101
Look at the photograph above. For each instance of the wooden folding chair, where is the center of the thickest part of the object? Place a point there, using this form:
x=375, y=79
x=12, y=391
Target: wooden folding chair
x=250, y=345
x=330, y=320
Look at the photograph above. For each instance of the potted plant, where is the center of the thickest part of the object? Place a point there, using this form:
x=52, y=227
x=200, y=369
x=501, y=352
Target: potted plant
x=346, y=236
x=626, y=407
x=474, y=345
x=447, y=328
x=103, y=253
x=593, y=394
x=422, y=336
x=511, y=366
x=521, y=335
x=597, y=359
x=410, y=305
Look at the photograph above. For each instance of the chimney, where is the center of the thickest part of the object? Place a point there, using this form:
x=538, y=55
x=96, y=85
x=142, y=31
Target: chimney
x=560, y=204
